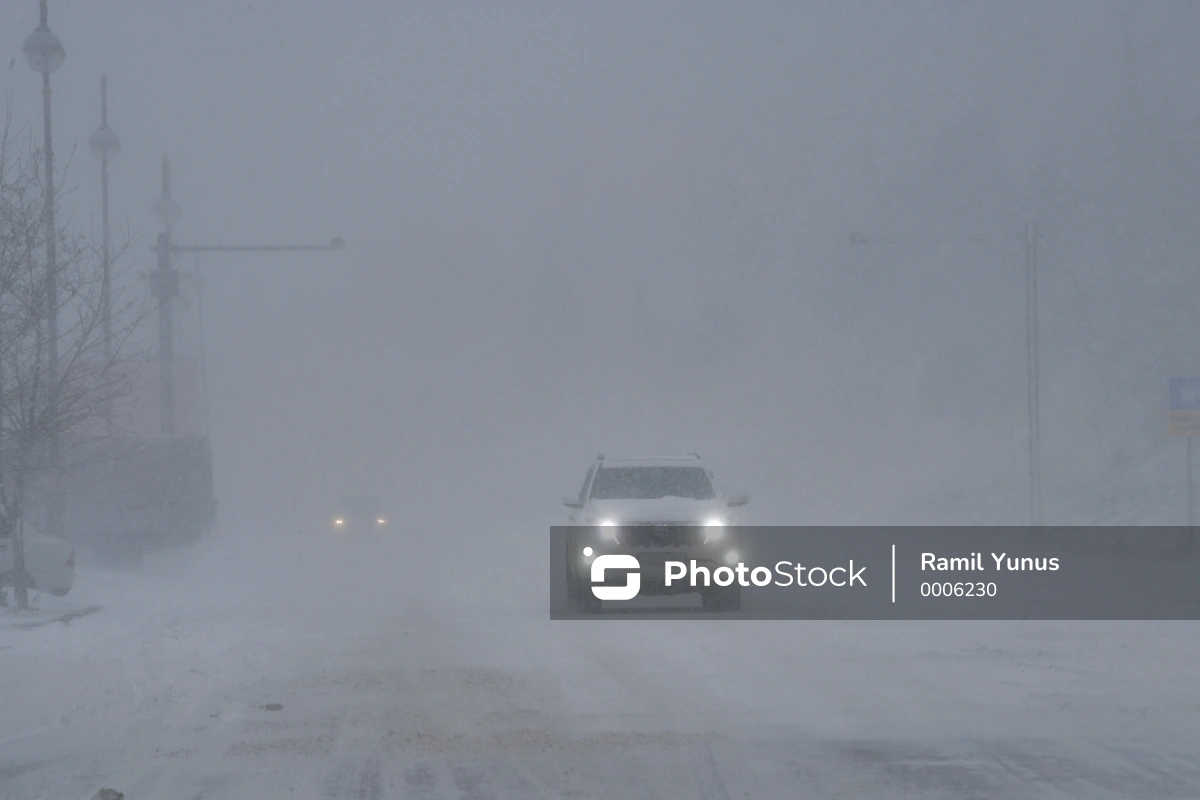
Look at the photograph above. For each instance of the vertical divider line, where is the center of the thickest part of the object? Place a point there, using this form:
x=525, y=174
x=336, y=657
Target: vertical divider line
x=893, y=573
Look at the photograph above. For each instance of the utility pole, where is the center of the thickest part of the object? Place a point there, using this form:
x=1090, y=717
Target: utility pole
x=1033, y=376
x=105, y=145
x=164, y=282
x=1029, y=236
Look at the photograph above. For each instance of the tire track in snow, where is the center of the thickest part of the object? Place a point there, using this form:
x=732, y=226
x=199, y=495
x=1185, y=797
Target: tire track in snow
x=355, y=778
x=709, y=783
x=492, y=781
x=422, y=782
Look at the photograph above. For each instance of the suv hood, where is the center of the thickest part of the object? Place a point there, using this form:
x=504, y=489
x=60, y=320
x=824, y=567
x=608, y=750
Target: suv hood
x=665, y=509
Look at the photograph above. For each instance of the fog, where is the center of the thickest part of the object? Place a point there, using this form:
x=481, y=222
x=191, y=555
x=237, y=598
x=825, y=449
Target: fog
x=625, y=228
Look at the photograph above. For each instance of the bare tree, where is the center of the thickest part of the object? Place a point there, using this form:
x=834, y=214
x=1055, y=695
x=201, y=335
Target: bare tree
x=36, y=406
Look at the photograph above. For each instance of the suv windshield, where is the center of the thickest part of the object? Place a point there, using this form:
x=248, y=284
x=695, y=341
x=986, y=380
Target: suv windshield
x=651, y=483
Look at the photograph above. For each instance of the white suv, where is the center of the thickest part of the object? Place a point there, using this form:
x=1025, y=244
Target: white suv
x=657, y=509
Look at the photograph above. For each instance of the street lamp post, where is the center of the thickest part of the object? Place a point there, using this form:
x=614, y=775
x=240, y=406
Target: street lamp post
x=1029, y=238
x=105, y=145
x=44, y=53
x=164, y=283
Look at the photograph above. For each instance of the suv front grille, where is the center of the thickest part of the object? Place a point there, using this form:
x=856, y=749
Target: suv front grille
x=661, y=535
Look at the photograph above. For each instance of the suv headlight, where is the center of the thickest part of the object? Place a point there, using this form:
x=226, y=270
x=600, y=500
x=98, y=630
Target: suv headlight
x=715, y=529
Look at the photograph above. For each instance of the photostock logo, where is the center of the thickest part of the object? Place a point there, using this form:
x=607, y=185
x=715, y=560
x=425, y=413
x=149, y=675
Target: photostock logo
x=633, y=578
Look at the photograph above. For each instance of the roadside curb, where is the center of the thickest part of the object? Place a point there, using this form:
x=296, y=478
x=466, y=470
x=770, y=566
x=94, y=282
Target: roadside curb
x=65, y=617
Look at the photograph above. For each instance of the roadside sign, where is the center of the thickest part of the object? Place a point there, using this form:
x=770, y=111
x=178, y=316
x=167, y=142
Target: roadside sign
x=1184, y=406
x=1183, y=403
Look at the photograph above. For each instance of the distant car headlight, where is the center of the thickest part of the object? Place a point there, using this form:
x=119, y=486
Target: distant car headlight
x=339, y=522
x=381, y=521
x=608, y=523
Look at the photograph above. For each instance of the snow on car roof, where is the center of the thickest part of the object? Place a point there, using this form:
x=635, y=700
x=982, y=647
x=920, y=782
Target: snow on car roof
x=652, y=461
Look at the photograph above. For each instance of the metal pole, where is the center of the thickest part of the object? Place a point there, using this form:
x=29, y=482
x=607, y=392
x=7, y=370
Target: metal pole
x=166, y=345
x=165, y=286
x=199, y=277
x=335, y=245
x=1031, y=333
x=1190, y=502
x=54, y=515
x=20, y=583
x=105, y=286
x=164, y=290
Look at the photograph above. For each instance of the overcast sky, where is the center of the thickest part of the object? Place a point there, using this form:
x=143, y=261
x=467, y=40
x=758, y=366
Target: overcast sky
x=576, y=228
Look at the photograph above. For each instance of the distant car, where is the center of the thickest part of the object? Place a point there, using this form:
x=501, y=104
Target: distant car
x=656, y=509
x=358, y=514
x=49, y=561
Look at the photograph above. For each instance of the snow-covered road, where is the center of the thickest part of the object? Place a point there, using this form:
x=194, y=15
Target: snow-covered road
x=383, y=671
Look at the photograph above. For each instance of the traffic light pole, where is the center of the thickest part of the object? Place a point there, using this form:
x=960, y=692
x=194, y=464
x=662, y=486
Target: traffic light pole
x=164, y=285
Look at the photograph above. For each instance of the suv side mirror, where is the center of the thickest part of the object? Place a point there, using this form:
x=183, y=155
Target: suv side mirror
x=738, y=499
x=571, y=501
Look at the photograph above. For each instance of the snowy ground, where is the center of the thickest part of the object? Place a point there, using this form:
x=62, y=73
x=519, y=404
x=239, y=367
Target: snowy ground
x=307, y=669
